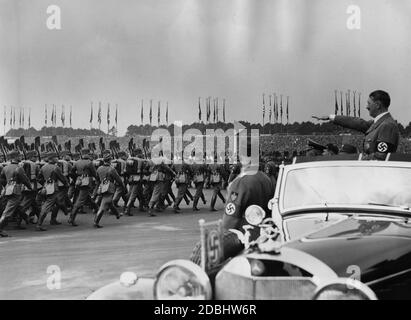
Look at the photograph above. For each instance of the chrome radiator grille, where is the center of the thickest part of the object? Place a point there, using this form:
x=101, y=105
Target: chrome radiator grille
x=229, y=286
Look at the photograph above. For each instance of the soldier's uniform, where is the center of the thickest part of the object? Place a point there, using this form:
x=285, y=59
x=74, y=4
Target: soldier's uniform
x=109, y=179
x=134, y=169
x=249, y=188
x=12, y=177
x=216, y=181
x=381, y=136
x=270, y=171
x=51, y=174
x=32, y=169
x=183, y=176
x=63, y=190
x=199, y=179
x=147, y=184
x=120, y=166
x=157, y=177
x=83, y=170
x=168, y=194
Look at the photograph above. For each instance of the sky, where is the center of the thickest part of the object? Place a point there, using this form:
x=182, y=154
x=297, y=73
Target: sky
x=175, y=51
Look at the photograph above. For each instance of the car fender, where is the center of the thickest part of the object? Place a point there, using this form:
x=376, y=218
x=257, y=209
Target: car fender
x=141, y=290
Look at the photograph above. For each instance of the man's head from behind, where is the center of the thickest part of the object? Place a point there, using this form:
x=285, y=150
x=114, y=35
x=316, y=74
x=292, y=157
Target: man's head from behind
x=378, y=102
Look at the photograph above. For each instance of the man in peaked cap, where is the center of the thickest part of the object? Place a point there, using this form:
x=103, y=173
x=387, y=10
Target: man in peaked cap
x=12, y=177
x=134, y=168
x=50, y=174
x=107, y=176
x=83, y=170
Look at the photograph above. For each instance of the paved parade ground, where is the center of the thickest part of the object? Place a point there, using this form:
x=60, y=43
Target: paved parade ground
x=89, y=258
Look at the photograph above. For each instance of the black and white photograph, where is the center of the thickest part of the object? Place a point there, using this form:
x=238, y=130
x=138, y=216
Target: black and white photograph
x=205, y=150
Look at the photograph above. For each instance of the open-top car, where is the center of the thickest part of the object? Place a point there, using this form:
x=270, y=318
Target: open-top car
x=339, y=229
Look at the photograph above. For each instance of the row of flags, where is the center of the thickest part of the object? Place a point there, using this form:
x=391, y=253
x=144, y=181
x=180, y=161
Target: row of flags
x=355, y=110
x=151, y=112
x=53, y=119
x=275, y=108
x=215, y=114
x=99, y=115
x=20, y=117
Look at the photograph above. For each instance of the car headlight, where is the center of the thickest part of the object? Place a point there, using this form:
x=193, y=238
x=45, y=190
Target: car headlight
x=182, y=279
x=254, y=215
x=345, y=289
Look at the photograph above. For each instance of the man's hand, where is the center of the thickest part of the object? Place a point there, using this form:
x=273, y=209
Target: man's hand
x=322, y=118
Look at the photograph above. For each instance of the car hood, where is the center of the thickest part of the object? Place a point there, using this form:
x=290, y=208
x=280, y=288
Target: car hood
x=370, y=247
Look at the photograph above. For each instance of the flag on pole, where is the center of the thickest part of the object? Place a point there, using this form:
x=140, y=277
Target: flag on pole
x=29, y=118
x=281, y=109
x=20, y=117
x=347, y=112
x=213, y=110
x=116, y=114
x=11, y=116
x=287, y=109
x=349, y=102
x=14, y=117
x=91, y=114
x=71, y=109
x=23, y=122
x=275, y=112
x=216, y=108
x=151, y=111
x=63, y=116
x=158, y=114
x=224, y=110
x=108, y=117
x=99, y=115
x=45, y=115
x=142, y=111
x=263, y=108
x=341, y=104
x=353, y=100
x=359, y=104
x=269, y=111
x=336, y=103
x=207, y=110
x=52, y=115
x=167, y=113
x=199, y=110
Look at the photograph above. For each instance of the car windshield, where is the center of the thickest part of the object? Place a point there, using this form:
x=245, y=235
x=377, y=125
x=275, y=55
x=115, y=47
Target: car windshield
x=347, y=185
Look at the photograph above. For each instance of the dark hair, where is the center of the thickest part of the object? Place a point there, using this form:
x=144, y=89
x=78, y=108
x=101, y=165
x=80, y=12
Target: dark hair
x=382, y=97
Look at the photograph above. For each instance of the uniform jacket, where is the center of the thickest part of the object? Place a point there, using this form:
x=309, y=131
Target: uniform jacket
x=107, y=172
x=381, y=137
x=84, y=166
x=14, y=171
x=52, y=171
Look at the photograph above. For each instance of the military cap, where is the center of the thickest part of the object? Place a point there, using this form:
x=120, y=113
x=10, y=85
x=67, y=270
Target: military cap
x=51, y=155
x=348, y=148
x=13, y=155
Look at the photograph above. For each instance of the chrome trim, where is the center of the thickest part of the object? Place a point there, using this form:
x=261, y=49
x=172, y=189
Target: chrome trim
x=320, y=271
x=192, y=267
x=370, y=283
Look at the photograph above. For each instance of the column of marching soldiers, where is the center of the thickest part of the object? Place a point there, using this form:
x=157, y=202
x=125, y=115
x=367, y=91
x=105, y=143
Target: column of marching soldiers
x=41, y=179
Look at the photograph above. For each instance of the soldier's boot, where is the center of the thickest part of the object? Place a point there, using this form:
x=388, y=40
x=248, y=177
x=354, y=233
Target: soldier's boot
x=72, y=217
x=195, y=203
x=127, y=211
x=18, y=225
x=39, y=226
x=97, y=219
x=212, y=203
x=2, y=225
x=53, y=219
x=203, y=198
x=150, y=212
x=186, y=199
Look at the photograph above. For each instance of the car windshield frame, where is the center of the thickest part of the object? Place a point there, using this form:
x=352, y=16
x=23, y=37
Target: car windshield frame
x=323, y=204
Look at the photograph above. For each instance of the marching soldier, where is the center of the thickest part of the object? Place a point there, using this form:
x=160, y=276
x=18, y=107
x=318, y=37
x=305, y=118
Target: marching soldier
x=157, y=177
x=183, y=176
x=120, y=165
x=109, y=179
x=216, y=180
x=199, y=179
x=32, y=169
x=83, y=170
x=12, y=177
x=148, y=185
x=134, y=169
x=50, y=175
